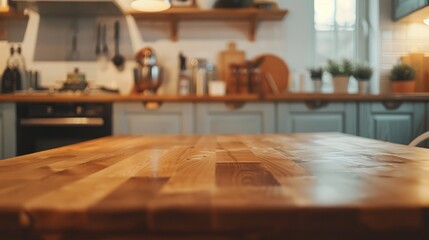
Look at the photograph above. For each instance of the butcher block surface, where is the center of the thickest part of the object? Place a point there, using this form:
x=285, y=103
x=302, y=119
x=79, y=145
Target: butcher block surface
x=304, y=186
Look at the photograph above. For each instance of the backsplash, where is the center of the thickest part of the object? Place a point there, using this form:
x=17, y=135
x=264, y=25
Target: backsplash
x=398, y=39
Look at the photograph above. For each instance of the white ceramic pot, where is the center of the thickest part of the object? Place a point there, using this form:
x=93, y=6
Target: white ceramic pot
x=363, y=87
x=341, y=84
x=317, y=83
x=206, y=4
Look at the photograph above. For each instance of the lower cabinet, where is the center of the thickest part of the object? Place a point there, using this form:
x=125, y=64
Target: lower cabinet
x=7, y=130
x=221, y=118
x=317, y=116
x=169, y=118
x=393, y=121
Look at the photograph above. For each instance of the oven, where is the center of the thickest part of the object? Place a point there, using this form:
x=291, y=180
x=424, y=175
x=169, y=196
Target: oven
x=43, y=126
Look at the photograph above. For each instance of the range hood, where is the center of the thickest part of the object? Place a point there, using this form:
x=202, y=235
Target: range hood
x=71, y=8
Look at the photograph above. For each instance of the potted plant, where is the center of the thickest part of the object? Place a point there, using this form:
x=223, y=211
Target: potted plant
x=316, y=75
x=362, y=73
x=341, y=72
x=402, y=78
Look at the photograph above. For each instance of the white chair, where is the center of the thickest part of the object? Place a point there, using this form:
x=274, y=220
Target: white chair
x=419, y=139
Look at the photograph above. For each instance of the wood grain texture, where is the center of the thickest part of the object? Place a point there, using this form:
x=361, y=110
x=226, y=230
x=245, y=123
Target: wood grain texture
x=218, y=187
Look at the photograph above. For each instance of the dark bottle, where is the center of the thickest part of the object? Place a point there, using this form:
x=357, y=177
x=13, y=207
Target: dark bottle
x=11, y=78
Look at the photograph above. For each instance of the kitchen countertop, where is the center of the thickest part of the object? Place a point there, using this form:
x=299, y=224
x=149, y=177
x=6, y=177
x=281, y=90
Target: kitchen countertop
x=320, y=186
x=37, y=97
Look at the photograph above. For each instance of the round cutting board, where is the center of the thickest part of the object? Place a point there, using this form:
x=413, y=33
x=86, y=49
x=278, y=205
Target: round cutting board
x=278, y=70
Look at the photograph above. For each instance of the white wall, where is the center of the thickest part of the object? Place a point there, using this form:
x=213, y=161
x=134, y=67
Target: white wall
x=291, y=39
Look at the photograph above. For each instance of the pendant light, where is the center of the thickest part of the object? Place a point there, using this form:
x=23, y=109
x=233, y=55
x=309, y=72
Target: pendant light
x=150, y=5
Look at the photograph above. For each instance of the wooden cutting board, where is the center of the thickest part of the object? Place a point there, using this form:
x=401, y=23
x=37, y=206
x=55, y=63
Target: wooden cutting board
x=420, y=62
x=274, y=71
x=228, y=57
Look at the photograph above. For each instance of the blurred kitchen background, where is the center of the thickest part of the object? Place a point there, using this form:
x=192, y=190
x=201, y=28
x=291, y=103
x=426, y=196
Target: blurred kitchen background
x=311, y=32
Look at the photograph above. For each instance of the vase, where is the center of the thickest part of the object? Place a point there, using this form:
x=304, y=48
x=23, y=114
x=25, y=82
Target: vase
x=363, y=86
x=403, y=86
x=341, y=84
x=317, y=84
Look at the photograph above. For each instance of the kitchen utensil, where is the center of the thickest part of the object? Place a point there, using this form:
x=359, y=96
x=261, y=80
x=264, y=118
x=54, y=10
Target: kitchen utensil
x=228, y=57
x=278, y=70
x=105, y=48
x=272, y=83
x=147, y=77
x=199, y=76
x=98, y=47
x=74, y=53
x=118, y=59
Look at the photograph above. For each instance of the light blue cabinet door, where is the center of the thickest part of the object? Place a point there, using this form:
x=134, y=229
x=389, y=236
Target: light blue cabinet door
x=169, y=118
x=251, y=118
x=7, y=130
x=317, y=117
x=392, y=122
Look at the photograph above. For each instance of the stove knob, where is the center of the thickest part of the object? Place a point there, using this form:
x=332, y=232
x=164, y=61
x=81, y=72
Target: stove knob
x=49, y=110
x=79, y=110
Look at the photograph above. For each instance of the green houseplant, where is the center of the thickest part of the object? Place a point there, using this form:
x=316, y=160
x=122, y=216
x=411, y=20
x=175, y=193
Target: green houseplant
x=363, y=73
x=402, y=78
x=341, y=72
x=316, y=74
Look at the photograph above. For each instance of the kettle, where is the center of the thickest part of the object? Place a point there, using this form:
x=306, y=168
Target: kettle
x=148, y=75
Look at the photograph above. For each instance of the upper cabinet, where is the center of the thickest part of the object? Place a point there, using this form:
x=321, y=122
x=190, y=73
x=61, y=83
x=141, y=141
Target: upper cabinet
x=175, y=15
x=410, y=10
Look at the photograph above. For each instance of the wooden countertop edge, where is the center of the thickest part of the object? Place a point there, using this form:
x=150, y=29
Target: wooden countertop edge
x=290, y=97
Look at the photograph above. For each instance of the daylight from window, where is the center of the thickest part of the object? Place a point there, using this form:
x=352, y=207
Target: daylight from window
x=335, y=29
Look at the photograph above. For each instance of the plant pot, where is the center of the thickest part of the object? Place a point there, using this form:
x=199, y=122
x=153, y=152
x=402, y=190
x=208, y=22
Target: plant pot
x=363, y=86
x=341, y=84
x=317, y=83
x=403, y=86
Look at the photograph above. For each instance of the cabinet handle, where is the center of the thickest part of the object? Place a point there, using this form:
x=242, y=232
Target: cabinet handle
x=234, y=105
x=392, y=105
x=151, y=105
x=317, y=104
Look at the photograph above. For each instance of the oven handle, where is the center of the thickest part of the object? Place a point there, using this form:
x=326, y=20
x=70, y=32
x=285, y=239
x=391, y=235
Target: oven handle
x=79, y=121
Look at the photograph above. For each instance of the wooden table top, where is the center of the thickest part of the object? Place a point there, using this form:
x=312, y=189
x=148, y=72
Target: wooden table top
x=229, y=186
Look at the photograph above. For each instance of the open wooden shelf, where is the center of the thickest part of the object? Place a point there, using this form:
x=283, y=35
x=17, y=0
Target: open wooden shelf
x=176, y=15
x=9, y=13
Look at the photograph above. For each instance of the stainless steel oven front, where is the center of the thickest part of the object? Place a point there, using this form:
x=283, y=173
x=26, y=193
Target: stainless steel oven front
x=42, y=126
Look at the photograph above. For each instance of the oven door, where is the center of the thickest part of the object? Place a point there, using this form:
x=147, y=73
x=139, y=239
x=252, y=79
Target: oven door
x=38, y=134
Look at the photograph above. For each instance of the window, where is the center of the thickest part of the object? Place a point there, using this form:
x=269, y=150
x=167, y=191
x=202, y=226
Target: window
x=336, y=30
x=341, y=31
